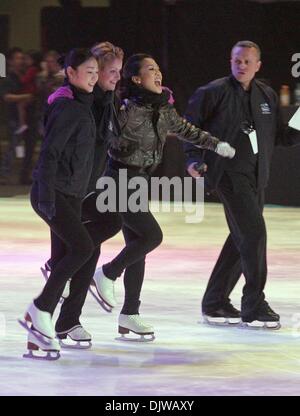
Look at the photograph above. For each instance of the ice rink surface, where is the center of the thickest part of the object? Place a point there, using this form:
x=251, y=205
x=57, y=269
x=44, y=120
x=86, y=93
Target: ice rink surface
x=187, y=357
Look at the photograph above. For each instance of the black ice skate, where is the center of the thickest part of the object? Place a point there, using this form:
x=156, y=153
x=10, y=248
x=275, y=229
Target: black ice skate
x=226, y=316
x=264, y=318
x=75, y=338
x=134, y=324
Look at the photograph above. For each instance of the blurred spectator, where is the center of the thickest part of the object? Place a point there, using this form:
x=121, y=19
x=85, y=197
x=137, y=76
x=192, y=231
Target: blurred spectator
x=32, y=61
x=51, y=78
x=9, y=93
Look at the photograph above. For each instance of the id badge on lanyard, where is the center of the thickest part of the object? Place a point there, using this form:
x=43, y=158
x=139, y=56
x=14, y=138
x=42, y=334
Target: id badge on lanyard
x=253, y=140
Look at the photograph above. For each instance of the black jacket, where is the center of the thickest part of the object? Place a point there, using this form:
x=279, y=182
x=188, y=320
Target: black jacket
x=141, y=143
x=67, y=152
x=216, y=107
x=107, y=127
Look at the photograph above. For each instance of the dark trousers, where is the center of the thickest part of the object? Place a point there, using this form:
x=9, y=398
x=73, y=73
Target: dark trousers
x=67, y=226
x=100, y=227
x=145, y=233
x=142, y=234
x=244, y=250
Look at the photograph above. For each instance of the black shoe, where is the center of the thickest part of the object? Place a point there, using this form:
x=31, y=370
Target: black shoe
x=264, y=317
x=227, y=314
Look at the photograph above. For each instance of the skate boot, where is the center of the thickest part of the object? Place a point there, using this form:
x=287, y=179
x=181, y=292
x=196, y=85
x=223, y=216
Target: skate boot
x=42, y=323
x=35, y=346
x=225, y=316
x=46, y=270
x=103, y=291
x=263, y=318
x=134, y=323
x=75, y=338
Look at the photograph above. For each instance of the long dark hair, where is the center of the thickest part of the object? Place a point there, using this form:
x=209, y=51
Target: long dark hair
x=74, y=58
x=131, y=68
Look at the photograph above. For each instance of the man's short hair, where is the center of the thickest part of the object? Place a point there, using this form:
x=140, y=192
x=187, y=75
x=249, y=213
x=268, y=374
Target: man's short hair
x=247, y=44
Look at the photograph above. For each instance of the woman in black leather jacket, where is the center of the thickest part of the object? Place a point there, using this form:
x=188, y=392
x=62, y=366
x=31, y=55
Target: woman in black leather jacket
x=145, y=118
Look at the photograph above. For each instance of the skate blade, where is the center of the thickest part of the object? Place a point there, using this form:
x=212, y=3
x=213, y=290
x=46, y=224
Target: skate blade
x=37, y=335
x=220, y=321
x=69, y=345
x=260, y=326
x=142, y=338
x=50, y=356
x=101, y=302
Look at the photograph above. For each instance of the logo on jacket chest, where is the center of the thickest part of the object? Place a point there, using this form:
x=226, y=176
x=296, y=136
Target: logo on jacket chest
x=265, y=108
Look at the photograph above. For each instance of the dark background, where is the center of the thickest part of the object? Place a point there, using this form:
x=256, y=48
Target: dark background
x=191, y=40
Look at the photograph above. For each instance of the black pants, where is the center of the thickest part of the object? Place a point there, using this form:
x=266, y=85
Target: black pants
x=244, y=250
x=100, y=227
x=145, y=234
x=142, y=234
x=67, y=226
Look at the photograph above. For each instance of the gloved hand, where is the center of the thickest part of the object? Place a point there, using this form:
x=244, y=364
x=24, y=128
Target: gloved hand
x=48, y=209
x=225, y=150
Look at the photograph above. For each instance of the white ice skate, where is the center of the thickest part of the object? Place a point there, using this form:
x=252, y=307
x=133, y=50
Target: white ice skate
x=103, y=291
x=42, y=323
x=75, y=338
x=46, y=270
x=35, y=346
x=134, y=323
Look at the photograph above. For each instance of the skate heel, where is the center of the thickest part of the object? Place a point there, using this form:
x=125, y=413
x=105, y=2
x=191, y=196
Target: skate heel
x=32, y=347
x=123, y=330
x=28, y=317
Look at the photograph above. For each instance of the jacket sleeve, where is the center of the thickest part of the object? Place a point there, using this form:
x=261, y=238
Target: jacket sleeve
x=61, y=125
x=190, y=133
x=200, y=108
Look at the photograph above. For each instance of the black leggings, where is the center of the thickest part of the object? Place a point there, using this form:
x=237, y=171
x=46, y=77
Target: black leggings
x=144, y=235
x=101, y=227
x=66, y=224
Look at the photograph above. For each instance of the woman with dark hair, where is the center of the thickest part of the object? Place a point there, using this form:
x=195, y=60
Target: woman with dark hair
x=60, y=182
x=145, y=118
x=100, y=226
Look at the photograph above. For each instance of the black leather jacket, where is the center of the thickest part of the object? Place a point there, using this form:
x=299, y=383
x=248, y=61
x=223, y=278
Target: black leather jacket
x=141, y=143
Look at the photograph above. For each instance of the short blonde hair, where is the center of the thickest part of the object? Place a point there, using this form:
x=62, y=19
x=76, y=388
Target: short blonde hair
x=106, y=52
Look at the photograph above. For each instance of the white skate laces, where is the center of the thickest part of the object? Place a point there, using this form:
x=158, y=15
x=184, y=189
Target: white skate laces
x=105, y=288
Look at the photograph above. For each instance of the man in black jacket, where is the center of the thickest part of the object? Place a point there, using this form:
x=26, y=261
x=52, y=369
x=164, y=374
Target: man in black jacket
x=245, y=112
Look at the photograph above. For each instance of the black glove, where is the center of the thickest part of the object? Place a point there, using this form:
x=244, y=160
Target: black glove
x=48, y=209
